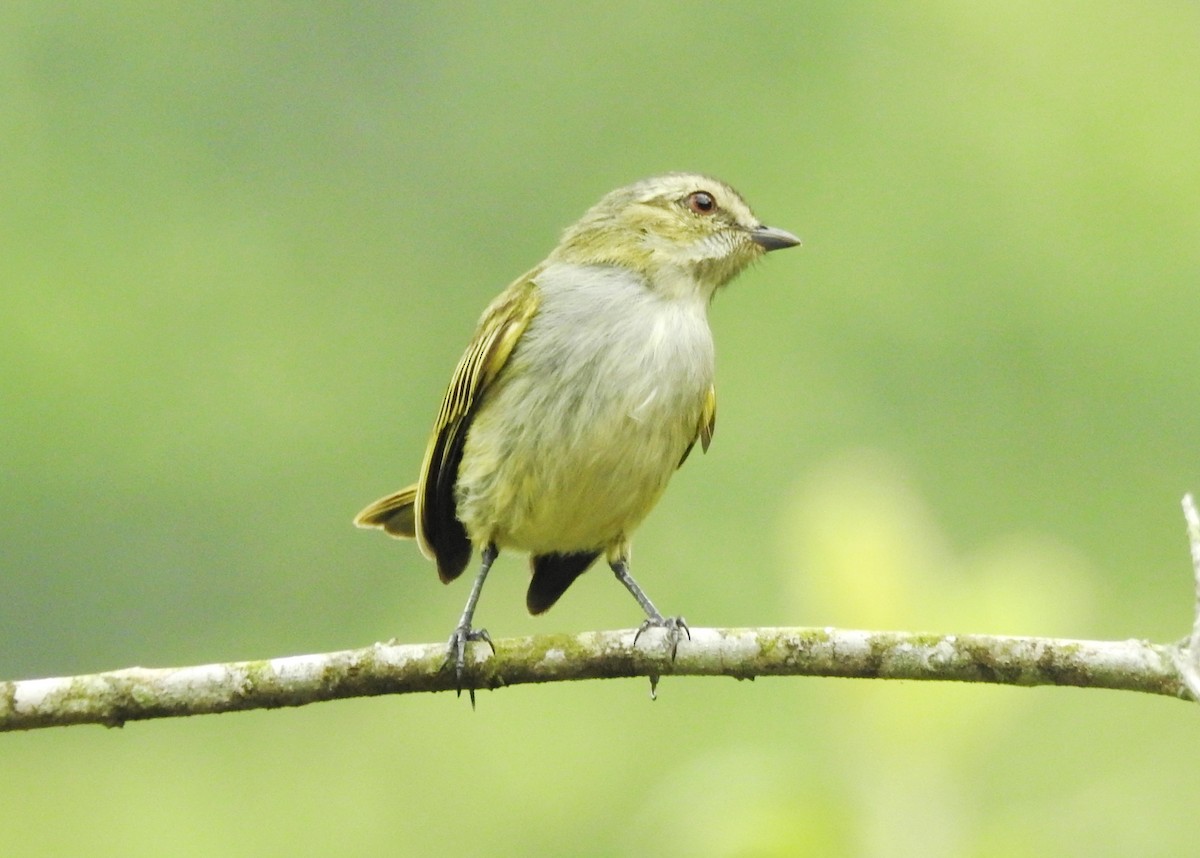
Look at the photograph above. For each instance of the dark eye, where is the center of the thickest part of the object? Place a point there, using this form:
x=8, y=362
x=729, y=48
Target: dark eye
x=702, y=202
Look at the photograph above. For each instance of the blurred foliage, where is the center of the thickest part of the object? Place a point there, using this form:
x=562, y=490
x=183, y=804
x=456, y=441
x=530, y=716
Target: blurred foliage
x=245, y=243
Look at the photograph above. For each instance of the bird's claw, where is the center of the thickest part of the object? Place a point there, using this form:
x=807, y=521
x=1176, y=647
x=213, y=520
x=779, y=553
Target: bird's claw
x=675, y=629
x=456, y=651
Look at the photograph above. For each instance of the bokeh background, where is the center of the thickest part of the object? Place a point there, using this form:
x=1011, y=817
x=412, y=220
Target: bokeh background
x=243, y=245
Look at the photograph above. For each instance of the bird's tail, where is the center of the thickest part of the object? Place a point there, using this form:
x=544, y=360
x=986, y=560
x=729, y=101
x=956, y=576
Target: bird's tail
x=395, y=514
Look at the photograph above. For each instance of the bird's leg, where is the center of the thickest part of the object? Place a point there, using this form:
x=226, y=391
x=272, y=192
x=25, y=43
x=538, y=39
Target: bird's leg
x=457, y=649
x=675, y=627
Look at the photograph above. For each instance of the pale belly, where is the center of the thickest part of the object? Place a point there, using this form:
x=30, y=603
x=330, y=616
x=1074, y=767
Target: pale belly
x=580, y=483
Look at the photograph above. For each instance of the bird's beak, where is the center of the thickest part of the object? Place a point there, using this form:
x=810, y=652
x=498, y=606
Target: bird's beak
x=770, y=238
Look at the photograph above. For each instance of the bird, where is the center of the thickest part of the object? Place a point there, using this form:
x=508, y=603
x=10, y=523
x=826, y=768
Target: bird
x=587, y=383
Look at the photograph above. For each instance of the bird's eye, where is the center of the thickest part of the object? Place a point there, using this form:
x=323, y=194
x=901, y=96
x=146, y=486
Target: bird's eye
x=702, y=202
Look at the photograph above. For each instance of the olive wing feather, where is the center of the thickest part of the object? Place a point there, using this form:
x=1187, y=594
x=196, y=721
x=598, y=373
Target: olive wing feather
x=706, y=427
x=439, y=532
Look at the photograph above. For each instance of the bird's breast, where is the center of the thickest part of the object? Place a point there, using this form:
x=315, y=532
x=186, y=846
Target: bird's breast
x=577, y=438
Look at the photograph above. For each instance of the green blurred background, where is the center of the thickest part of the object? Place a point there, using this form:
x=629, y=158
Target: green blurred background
x=244, y=244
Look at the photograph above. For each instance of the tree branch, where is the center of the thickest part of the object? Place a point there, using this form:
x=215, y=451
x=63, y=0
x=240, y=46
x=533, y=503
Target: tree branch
x=1188, y=657
x=138, y=693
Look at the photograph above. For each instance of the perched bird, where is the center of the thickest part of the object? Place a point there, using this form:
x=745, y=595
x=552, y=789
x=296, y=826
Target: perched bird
x=587, y=383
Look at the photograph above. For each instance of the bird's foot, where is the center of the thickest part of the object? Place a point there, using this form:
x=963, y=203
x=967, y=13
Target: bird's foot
x=456, y=652
x=675, y=627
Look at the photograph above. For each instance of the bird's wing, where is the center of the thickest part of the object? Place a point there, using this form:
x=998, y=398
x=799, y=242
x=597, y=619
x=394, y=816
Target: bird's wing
x=707, y=425
x=439, y=532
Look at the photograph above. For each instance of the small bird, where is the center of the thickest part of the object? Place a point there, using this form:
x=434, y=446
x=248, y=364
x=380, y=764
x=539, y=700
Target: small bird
x=586, y=385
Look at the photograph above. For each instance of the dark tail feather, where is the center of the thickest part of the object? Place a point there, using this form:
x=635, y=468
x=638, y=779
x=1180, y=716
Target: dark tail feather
x=552, y=575
x=396, y=515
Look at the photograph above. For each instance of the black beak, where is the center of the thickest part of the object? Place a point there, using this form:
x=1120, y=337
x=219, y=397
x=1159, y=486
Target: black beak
x=769, y=238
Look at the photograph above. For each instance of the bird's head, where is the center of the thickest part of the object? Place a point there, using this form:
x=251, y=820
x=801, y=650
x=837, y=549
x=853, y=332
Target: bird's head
x=685, y=233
